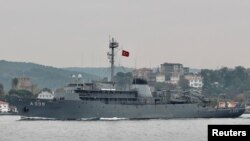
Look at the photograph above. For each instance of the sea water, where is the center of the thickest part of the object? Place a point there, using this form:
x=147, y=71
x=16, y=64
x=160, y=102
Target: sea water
x=14, y=129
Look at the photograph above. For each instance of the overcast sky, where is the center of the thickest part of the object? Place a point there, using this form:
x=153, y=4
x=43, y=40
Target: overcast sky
x=75, y=33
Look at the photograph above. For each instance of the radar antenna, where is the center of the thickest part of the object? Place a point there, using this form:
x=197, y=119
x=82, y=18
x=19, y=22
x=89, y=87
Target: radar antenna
x=112, y=45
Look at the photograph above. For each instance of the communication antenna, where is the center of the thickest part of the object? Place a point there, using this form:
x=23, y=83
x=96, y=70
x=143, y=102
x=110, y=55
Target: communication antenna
x=135, y=74
x=112, y=45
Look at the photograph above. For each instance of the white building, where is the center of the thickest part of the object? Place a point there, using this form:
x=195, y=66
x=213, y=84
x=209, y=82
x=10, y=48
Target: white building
x=160, y=78
x=195, y=81
x=174, y=79
x=45, y=95
x=4, y=107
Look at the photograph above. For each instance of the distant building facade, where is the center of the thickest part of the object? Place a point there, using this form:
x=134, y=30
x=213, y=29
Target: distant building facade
x=160, y=78
x=45, y=95
x=195, y=81
x=186, y=70
x=172, y=72
x=4, y=107
x=142, y=73
x=24, y=83
x=172, y=68
x=147, y=74
x=174, y=79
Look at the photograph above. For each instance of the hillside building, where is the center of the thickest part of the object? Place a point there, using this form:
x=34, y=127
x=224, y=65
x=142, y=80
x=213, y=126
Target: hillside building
x=172, y=68
x=24, y=83
x=45, y=95
x=4, y=107
x=195, y=81
x=160, y=78
x=147, y=74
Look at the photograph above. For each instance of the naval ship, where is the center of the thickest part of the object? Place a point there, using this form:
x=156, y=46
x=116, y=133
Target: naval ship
x=101, y=100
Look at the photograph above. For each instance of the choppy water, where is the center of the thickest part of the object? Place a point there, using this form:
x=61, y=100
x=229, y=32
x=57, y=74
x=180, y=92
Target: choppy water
x=13, y=129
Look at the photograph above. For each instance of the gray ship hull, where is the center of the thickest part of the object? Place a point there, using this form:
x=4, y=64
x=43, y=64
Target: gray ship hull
x=76, y=109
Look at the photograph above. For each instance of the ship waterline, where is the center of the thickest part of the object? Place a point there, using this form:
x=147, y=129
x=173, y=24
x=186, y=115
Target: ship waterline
x=101, y=100
x=71, y=109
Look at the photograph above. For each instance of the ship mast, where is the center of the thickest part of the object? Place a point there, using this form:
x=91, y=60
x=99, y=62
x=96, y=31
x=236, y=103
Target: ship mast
x=112, y=45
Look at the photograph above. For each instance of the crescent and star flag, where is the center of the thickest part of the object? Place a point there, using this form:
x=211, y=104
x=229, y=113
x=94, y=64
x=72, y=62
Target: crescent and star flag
x=125, y=53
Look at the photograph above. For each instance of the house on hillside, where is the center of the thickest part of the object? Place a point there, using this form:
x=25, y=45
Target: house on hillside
x=45, y=95
x=195, y=81
x=4, y=107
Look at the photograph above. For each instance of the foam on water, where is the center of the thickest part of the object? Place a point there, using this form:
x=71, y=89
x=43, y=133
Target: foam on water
x=82, y=119
x=36, y=118
x=113, y=119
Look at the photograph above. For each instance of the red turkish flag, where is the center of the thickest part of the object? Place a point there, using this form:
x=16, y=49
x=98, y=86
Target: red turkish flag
x=125, y=53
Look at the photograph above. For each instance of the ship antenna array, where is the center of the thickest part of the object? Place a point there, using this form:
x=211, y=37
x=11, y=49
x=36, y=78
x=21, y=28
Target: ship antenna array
x=112, y=45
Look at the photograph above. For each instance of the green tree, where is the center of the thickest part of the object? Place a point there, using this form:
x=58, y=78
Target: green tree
x=47, y=90
x=1, y=91
x=164, y=86
x=229, y=81
x=21, y=93
x=14, y=83
x=123, y=80
x=183, y=83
